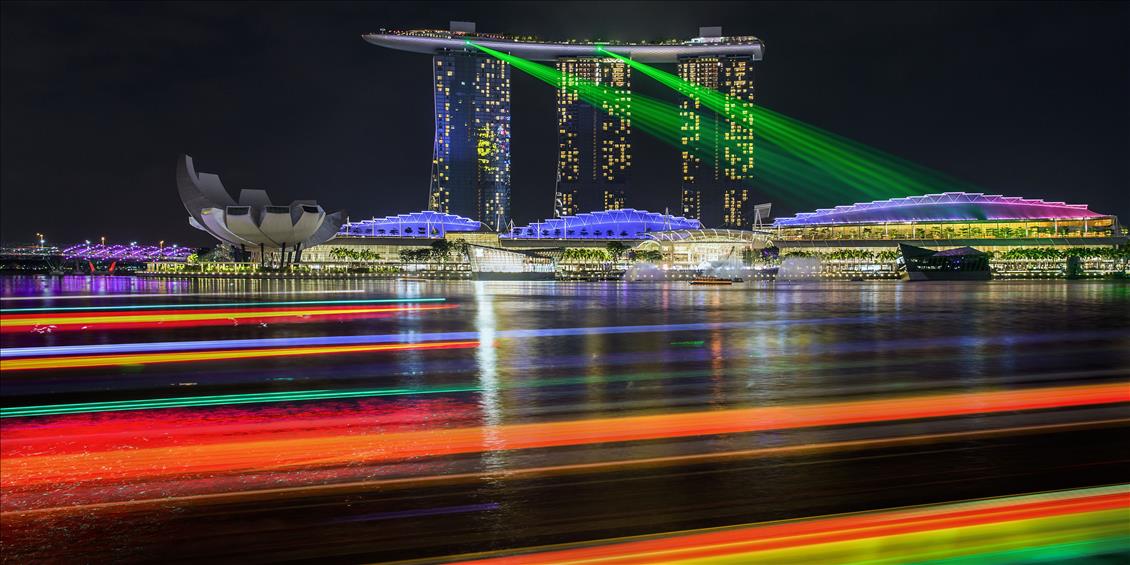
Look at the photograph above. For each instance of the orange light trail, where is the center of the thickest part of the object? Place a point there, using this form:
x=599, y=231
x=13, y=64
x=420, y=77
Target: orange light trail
x=86, y=361
x=357, y=487
x=11, y=323
x=281, y=453
x=1099, y=508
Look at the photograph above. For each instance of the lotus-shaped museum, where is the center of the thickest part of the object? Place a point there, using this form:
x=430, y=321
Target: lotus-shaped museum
x=252, y=221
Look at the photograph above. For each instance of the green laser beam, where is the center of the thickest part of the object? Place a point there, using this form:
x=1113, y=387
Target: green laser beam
x=792, y=160
x=868, y=169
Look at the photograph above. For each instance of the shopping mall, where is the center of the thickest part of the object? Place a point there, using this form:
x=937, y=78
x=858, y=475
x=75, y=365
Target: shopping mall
x=989, y=222
x=1024, y=237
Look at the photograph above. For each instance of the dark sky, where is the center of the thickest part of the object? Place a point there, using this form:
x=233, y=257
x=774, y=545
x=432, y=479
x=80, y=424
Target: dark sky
x=97, y=100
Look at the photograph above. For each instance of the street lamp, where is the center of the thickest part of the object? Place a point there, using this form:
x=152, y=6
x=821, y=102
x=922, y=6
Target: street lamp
x=103, y=240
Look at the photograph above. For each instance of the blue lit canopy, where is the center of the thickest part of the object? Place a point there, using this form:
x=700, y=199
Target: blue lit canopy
x=426, y=224
x=950, y=206
x=609, y=224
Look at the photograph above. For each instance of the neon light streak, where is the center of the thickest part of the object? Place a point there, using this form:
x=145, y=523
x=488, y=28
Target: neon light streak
x=15, y=311
x=331, y=394
x=847, y=347
x=1084, y=521
x=87, y=361
x=210, y=317
x=219, y=400
x=45, y=297
x=335, y=489
x=280, y=453
x=21, y=352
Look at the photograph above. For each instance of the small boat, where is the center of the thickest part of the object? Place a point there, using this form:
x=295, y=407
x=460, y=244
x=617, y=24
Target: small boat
x=711, y=281
x=960, y=264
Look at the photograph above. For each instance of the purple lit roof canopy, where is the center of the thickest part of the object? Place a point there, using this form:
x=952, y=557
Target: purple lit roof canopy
x=947, y=207
x=627, y=223
x=426, y=224
x=92, y=251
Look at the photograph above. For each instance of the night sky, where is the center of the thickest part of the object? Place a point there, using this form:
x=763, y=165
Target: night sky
x=97, y=101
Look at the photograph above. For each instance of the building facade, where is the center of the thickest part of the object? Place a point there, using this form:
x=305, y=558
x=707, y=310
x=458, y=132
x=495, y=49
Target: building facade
x=717, y=152
x=594, y=156
x=985, y=221
x=471, y=157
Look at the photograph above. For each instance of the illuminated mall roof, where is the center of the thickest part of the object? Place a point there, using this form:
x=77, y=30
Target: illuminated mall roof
x=416, y=224
x=709, y=235
x=433, y=41
x=609, y=224
x=946, y=207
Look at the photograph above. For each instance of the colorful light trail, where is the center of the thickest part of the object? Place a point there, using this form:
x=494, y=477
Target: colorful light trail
x=22, y=352
x=1075, y=523
x=278, y=452
x=331, y=394
x=51, y=297
x=15, y=311
x=115, y=320
x=88, y=361
x=219, y=400
x=244, y=491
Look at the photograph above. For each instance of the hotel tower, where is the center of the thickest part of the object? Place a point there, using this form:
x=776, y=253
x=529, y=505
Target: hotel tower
x=594, y=154
x=471, y=157
x=716, y=152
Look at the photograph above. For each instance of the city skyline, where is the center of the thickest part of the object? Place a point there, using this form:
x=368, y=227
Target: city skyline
x=628, y=281
x=335, y=126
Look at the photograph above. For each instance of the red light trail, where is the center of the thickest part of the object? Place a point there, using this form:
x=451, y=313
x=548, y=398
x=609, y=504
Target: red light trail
x=168, y=318
x=345, y=482
x=87, y=361
x=282, y=452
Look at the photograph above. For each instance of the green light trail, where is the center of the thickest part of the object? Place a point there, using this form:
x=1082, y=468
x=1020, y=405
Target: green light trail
x=292, y=396
x=218, y=400
x=223, y=305
x=758, y=366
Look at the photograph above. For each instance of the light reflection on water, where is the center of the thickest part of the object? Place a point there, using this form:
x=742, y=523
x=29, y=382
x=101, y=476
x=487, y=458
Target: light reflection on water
x=772, y=344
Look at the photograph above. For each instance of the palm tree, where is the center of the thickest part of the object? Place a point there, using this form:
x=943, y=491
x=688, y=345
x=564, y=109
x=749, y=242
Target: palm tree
x=441, y=250
x=616, y=249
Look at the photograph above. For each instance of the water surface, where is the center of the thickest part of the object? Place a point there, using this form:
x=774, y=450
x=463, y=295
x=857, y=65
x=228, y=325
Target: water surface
x=561, y=412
